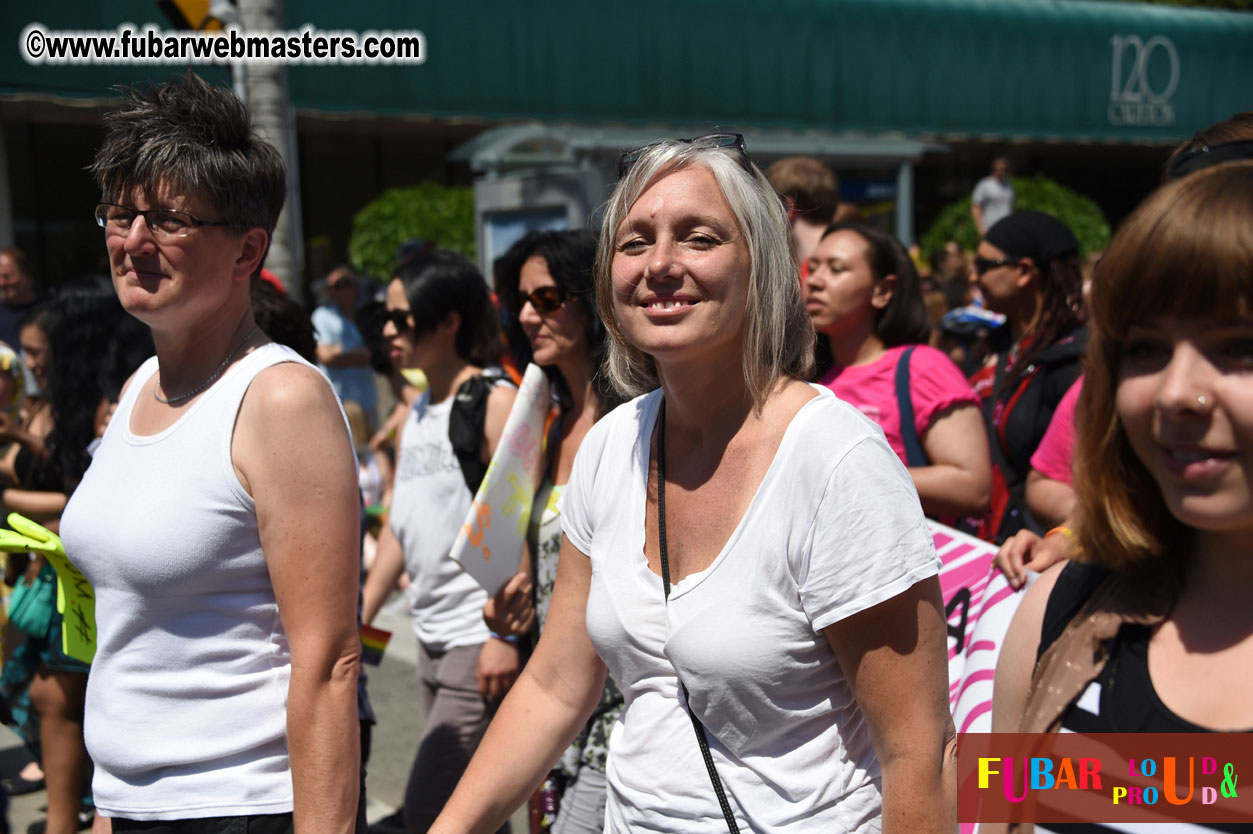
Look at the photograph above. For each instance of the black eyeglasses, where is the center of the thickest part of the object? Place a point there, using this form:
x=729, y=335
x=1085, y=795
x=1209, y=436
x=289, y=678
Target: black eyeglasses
x=400, y=320
x=733, y=141
x=543, y=300
x=982, y=265
x=163, y=223
x=1203, y=157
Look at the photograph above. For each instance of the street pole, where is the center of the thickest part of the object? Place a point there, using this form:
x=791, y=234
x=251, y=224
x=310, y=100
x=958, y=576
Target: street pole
x=275, y=120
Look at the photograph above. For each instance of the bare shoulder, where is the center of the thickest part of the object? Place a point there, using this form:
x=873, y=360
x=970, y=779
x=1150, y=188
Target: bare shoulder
x=790, y=397
x=499, y=403
x=1035, y=600
x=288, y=411
x=1016, y=662
x=501, y=396
x=288, y=386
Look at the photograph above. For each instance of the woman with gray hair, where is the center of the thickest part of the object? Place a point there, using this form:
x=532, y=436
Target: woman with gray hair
x=742, y=550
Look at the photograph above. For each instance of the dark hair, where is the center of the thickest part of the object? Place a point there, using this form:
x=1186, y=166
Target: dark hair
x=904, y=320
x=571, y=260
x=196, y=138
x=36, y=315
x=445, y=282
x=94, y=348
x=20, y=261
x=282, y=319
x=1053, y=249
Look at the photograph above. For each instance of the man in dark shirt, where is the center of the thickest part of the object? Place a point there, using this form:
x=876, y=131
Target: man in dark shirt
x=17, y=295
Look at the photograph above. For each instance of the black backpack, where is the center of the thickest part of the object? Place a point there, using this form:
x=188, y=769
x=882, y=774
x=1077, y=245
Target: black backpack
x=465, y=424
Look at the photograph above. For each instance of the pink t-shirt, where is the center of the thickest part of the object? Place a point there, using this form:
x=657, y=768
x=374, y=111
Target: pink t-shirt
x=1055, y=455
x=935, y=384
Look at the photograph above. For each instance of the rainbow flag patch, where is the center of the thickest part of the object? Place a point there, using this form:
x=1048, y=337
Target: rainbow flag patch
x=373, y=644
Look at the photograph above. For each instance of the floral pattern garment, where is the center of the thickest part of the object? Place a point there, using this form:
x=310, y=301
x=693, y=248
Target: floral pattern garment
x=591, y=747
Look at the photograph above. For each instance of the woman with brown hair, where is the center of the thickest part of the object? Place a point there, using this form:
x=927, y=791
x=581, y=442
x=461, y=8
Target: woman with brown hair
x=1163, y=482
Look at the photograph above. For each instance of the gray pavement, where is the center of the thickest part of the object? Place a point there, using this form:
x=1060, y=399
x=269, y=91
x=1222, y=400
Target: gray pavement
x=393, y=692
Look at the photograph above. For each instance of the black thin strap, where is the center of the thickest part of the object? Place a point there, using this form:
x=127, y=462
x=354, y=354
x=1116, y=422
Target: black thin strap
x=665, y=581
x=914, y=453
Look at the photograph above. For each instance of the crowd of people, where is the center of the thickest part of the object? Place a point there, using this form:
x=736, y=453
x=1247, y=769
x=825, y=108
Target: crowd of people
x=727, y=612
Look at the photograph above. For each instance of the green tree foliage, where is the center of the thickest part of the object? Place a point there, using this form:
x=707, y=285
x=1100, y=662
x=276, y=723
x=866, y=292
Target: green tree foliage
x=442, y=215
x=1082, y=215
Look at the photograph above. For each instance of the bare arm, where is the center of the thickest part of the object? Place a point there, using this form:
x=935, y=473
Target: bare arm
x=334, y=356
x=895, y=657
x=308, y=515
x=1049, y=500
x=12, y=431
x=959, y=480
x=499, y=660
x=37, y=505
x=385, y=571
x=389, y=559
x=976, y=211
x=1016, y=663
x=550, y=703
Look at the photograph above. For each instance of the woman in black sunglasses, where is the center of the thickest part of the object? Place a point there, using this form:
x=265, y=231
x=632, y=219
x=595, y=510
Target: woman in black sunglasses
x=440, y=319
x=544, y=283
x=1027, y=267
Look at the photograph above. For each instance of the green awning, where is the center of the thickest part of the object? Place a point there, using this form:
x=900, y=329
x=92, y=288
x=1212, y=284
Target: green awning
x=1042, y=70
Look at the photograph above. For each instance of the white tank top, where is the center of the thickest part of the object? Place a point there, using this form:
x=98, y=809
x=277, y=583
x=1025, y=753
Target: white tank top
x=430, y=501
x=186, y=702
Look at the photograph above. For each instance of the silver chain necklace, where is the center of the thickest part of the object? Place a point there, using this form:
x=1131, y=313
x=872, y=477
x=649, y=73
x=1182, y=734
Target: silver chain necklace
x=212, y=377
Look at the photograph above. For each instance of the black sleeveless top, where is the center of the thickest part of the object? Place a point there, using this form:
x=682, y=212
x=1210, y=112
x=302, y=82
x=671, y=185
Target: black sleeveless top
x=1121, y=699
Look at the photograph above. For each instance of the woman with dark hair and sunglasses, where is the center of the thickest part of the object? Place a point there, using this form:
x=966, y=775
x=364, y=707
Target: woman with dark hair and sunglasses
x=440, y=319
x=1027, y=267
x=742, y=550
x=545, y=287
x=863, y=295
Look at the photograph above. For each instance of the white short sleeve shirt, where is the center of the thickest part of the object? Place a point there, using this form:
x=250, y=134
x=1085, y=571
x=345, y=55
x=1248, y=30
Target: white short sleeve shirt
x=834, y=528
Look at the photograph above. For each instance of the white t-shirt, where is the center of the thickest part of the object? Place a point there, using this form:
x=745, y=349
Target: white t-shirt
x=430, y=501
x=834, y=528
x=995, y=197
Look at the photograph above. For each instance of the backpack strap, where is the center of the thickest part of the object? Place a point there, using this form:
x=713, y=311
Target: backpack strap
x=466, y=419
x=914, y=454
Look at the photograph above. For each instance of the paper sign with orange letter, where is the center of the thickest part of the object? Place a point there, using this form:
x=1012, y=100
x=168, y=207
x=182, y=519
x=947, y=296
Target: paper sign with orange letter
x=489, y=545
x=75, y=598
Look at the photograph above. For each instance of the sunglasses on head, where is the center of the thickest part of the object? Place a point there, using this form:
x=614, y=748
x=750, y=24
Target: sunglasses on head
x=543, y=300
x=734, y=141
x=1203, y=157
x=400, y=319
x=982, y=265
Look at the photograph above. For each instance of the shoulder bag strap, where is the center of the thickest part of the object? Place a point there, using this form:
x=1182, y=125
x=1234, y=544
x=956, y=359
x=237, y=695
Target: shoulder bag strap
x=719, y=791
x=914, y=454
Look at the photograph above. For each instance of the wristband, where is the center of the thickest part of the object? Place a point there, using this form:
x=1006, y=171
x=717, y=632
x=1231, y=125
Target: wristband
x=1065, y=531
x=508, y=638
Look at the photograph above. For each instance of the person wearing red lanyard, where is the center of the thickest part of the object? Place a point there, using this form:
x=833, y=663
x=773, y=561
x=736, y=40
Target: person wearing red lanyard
x=1027, y=267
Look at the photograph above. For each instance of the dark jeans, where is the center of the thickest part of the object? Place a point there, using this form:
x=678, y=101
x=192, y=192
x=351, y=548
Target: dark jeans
x=259, y=824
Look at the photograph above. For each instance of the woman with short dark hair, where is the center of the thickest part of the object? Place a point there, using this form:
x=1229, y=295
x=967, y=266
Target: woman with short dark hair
x=440, y=319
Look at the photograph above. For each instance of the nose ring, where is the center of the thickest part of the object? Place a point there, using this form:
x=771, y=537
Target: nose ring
x=1201, y=402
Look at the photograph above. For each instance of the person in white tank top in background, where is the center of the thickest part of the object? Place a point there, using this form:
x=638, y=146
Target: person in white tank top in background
x=441, y=319
x=223, y=554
